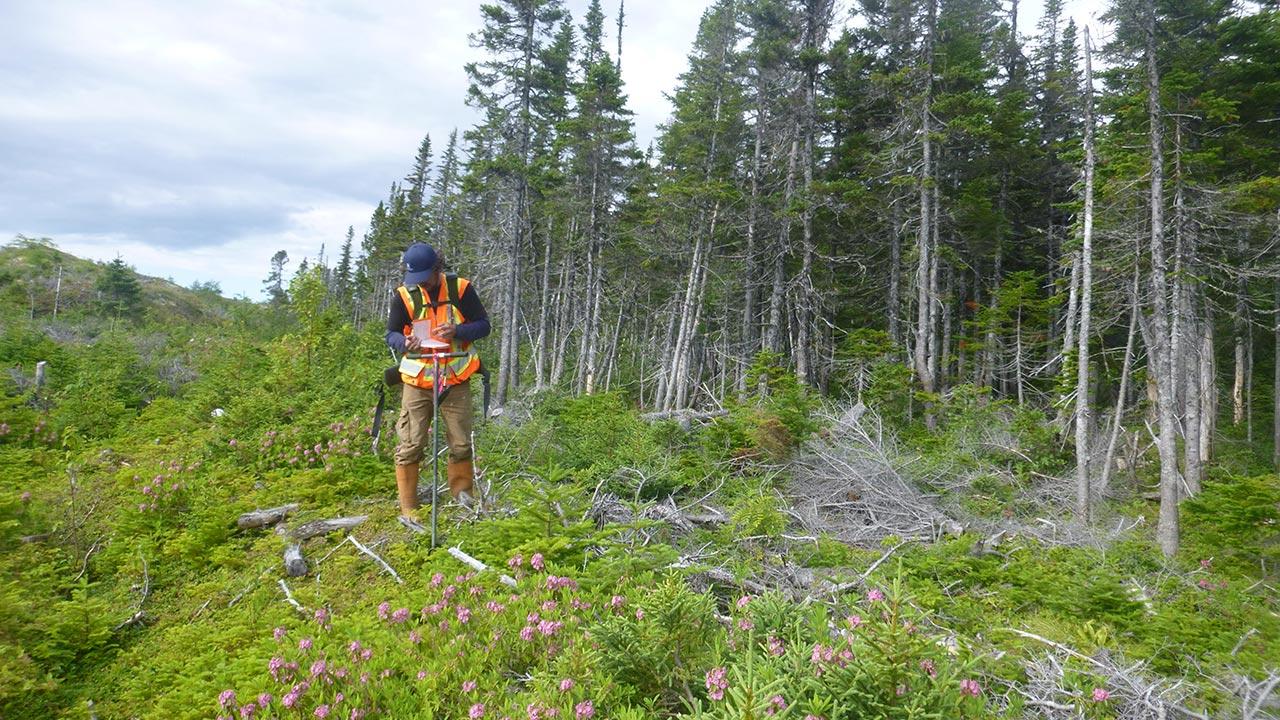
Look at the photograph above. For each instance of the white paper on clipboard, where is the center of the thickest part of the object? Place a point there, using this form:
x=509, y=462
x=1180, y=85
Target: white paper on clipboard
x=423, y=331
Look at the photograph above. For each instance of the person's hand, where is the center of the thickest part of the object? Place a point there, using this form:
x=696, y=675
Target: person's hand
x=412, y=343
x=446, y=332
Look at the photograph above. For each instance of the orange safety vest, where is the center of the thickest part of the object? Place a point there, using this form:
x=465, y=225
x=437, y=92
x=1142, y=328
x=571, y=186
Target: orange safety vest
x=418, y=369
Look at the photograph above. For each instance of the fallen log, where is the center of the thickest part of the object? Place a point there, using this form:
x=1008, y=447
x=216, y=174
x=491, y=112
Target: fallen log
x=263, y=518
x=685, y=418
x=479, y=566
x=294, y=564
x=311, y=529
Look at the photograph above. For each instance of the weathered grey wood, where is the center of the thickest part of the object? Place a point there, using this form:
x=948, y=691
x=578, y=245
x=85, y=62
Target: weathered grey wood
x=294, y=564
x=684, y=416
x=1086, y=299
x=40, y=374
x=263, y=518
x=311, y=529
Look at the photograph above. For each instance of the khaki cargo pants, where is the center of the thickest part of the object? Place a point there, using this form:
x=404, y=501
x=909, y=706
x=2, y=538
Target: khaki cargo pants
x=414, y=425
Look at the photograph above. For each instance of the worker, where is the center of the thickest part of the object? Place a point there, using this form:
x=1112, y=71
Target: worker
x=448, y=316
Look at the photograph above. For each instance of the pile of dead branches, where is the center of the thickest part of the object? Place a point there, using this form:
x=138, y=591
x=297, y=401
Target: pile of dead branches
x=1128, y=690
x=847, y=483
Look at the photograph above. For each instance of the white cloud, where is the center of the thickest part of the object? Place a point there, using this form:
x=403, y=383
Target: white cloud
x=196, y=138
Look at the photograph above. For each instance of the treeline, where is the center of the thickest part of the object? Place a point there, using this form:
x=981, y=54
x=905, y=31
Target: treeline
x=897, y=182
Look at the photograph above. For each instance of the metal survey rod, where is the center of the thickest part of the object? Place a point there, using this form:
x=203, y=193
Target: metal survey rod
x=435, y=436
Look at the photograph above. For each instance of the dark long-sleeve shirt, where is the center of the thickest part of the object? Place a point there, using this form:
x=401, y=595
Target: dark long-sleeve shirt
x=474, y=327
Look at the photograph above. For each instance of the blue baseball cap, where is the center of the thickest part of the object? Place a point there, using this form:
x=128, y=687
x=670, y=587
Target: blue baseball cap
x=420, y=263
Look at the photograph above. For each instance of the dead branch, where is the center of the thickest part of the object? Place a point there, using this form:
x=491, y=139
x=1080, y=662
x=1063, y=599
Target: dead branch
x=374, y=555
x=139, y=615
x=288, y=596
x=262, y=518
x=479, y=566
x=311, y=529
x=294, y=564
x=685, y=418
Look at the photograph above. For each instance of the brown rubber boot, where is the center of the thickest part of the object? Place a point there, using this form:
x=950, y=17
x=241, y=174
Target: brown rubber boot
x=461, y=482
x=407, y=489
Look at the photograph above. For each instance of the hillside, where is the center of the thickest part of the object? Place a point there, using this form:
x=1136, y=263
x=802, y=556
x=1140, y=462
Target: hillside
x=35, y=275
x=791, y=558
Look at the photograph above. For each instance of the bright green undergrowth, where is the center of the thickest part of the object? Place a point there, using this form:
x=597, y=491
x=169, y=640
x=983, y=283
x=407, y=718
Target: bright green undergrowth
x=127, y=475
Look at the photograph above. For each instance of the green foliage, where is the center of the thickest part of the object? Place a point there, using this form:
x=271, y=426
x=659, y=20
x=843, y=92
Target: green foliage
x=658, y=650
x=1235, y=521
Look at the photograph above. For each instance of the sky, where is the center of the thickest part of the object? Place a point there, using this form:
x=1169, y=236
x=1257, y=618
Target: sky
x=195, y=139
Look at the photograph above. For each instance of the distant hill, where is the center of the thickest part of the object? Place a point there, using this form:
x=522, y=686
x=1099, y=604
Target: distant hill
x=39, y=280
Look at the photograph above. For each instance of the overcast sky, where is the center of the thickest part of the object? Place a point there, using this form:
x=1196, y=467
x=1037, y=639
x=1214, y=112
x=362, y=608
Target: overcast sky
x=195, y=138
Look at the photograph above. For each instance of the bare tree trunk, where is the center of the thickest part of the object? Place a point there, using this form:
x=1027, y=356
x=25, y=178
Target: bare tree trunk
x=750, y=321
x=1159, y=336
x=817, y=17
x=774, y=330
x=1240, y=321
x=1208, y=386
x=1104, y=483
x=544, y=318
x=1086, y=298
x=895, y=276
x=924, y=250
x=1275, y=391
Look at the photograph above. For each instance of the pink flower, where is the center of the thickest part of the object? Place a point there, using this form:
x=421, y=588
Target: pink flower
x=322, y=617
x=291, y=698
x=248, y=710
x=356, y=714
x=494, y=606
x=549, y=627
x=549, y=605
x=745, y=624
x=617, y=601
x=717, y=682
x=384, y=609
x=436, y=579
x=415, y=637
x=464, y=615
x=278, y=633
x=318, y=668
x=775, y=645
x=814, y=717
x=536, y=562
x=422, y=674
x=232, y=442
x=566, y=685
x=874, y=595
x=264, y=700
x=476, y=712
x=743, y=601
x=970, y=687
x=516, y=561
x=1206, y=563
x=929, y=668
x=639, y=613
x=526, y=633
x=776, y=705
x=854, y=621
x=584, y=710
x=400, y=615
x=1100, y=695
x=468, y=686
x=227, y=698
x=322, y=711
x=304, y=644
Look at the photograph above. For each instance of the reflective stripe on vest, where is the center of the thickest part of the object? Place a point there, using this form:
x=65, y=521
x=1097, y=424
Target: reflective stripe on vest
x=420, y=371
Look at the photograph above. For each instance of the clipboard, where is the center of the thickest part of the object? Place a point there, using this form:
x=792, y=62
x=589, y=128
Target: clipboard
x=425, y=332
